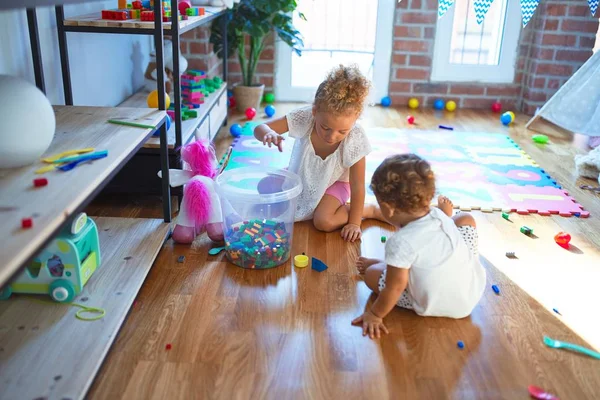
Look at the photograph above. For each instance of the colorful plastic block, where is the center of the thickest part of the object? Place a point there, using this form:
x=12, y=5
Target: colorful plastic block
x=39, y=182
x=26, y=223
x=318, y=265
x=137, y=5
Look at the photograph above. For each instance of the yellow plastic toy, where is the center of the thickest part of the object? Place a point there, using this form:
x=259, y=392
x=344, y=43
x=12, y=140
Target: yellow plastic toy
x=301, y=261
x=450, y=105
x=512, y=116
x=413, y=103
x=152, y=99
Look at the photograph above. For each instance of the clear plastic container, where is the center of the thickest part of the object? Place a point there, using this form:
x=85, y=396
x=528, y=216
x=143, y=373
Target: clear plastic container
x=258, y=207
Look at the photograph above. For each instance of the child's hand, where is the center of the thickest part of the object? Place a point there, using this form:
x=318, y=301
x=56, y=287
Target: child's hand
x=351, y=232
x=372, y=324
x=273, y=138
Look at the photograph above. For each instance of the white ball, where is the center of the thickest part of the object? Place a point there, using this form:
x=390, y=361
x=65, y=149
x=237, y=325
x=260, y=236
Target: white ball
x=27, y=122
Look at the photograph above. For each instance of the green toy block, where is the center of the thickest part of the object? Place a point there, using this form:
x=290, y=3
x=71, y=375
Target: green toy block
x=192, y=113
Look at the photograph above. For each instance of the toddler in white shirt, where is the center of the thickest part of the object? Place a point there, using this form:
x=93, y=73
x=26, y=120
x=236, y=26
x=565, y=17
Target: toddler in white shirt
x=432, y=263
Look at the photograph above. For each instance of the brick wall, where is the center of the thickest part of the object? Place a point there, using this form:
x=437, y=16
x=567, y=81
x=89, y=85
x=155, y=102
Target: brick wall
x=196, y=48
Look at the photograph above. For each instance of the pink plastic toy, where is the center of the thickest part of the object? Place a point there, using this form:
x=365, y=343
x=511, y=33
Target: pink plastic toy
x=200, y=207
x=250, y=113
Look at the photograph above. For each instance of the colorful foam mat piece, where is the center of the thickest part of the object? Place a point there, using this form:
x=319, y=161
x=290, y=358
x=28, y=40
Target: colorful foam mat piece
x=478, y=171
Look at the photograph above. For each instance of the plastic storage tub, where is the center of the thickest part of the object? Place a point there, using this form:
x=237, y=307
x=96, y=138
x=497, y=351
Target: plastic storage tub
x=258, y=207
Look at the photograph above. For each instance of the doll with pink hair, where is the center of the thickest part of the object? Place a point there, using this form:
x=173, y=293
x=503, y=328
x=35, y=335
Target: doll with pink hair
x=200, y=208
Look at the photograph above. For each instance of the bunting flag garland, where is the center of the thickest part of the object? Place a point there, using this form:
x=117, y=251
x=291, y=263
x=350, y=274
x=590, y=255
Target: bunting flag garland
x=444, y=5
x=482, y=7
x=528, y=7
x=593, y=6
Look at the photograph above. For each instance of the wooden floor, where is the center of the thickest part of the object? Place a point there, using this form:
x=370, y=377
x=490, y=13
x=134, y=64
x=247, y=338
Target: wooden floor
x=285, y=333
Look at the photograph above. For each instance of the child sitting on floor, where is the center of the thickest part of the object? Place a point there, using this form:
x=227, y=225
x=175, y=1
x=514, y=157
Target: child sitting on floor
x=431, y=264
x=329, y=153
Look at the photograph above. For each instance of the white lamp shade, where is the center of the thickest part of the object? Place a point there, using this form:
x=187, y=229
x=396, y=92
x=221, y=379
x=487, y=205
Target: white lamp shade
x=27, y=122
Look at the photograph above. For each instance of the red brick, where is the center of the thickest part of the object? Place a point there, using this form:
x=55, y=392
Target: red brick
x=476, y=102
x=265, y=67
x=553, y=83
x=400, y=87
x=529, y=108
x=234, y=68
x=417, y=46
x=197, y=63
x=573, y=55
x=399, y=59
x=457, y=88
x=586, y=42
x=559, y=40
x=550, y=25
x=521, y=63
x=555, y=10
x=419, y=17
x=575, y=25
x=539, y=83
x=534, y=95
x=543, y=53
x=416, y=4
x=402, y=5
x=578, y=10
x=202, y=33
x=183, y=47
x=518, y=79
x=419, y=61
x=268, y=53
x=412, y=73
x=407, y=31
x=198, y=48
x=431, y=5
x=429, y=33
x=266, y=80
x=433, y=88
x=553, y=69
x=188, y=35
x=402, y=100
x=502, y=90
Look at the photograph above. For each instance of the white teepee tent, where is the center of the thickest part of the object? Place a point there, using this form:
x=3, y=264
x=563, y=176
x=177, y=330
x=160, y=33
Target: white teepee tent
x=576, y=105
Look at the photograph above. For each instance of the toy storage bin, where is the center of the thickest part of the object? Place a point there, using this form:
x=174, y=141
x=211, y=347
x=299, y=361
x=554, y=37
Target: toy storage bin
x=258, y=207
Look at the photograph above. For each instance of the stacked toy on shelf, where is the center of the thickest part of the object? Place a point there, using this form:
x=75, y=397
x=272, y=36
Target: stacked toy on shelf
x=195, y=86
x=144, y=11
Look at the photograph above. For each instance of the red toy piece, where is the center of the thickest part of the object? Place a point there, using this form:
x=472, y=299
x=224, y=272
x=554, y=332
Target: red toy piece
x=496, y=107
x=562, y=239
x=147, y=16
x=39, y=182
x=250, y=113
x=232, y=102
x=137, y=5
x=410, y=119
x=26, y=223
x=168, y=346
x=539, y=393
x=183, y=6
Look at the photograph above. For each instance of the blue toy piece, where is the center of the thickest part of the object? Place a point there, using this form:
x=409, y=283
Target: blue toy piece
x=235, y=130
x=496, y=289
x=439, y=104
x=229, y=93
x=270, y=111
x=506, y=119
x=460, y=344
x=63, y=268
x=168, y=122
x=318, y=265
x=386, y=101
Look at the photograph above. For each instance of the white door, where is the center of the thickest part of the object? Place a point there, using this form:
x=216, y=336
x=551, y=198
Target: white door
x=337, y=32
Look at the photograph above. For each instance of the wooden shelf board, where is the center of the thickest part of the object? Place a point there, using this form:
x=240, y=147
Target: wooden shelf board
x=45, y=352
x=51, y=206
x=15, y=4
x=95, y=20
x=188, y=126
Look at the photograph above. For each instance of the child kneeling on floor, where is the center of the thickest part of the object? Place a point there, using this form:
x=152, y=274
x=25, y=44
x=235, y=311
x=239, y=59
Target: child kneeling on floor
x=431, y=264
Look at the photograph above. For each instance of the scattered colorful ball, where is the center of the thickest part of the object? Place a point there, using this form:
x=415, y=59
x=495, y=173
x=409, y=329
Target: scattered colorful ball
x=496, y=107
x=512, y=116
x=386, y=101
x=269, y=98
x=410, y=119
x=542, y=139
x=439, y=104
x=270, y=111
x=250, y=113
x=506, y=119
x=231, y=102
x=236, y=130
x=413, y=103
x=152, y=100
x=451, y=105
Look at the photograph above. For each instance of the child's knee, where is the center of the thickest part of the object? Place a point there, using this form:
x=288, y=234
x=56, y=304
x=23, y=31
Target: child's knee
x=372, y=276
x=323, y=224
x=464, y=219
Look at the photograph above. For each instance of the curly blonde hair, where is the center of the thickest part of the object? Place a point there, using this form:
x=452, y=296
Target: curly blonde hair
x=344, y=91
x=405, y=181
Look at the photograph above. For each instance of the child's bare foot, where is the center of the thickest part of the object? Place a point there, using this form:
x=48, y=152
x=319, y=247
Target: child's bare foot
x=445, y=204
x=372, y=211
x=363, y=263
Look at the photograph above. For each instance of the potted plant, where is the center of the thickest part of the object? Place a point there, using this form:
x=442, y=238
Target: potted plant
x=249, y=24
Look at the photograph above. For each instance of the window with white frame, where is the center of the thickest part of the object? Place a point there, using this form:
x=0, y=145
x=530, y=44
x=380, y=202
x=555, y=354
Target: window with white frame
x=466, y=51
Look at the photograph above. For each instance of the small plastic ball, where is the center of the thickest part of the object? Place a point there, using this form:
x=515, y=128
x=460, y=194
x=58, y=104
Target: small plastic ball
x=168, y=122
x=230, y=93
x=231, y=102
x=506, y=119
x=542, y=139
x=386, y=101
x=250, y=112
x=496, y=107
x=235, y=130
x=410, y=119
x=152, y=100
x=269, y=98
x=413, y=103
x=512, y=115
x=270, y=111
x=451, y=106
x=439, y=104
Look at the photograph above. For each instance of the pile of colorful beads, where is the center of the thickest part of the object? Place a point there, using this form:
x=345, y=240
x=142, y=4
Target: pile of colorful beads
x=257, y=244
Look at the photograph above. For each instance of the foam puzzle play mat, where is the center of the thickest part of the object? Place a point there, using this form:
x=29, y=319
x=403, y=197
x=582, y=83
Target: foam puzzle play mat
x=478, y=171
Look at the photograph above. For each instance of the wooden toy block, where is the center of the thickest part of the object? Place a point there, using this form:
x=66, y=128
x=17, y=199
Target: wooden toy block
x=122, y=4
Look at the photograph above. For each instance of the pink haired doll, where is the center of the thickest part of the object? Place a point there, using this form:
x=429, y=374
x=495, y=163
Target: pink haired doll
x=200, y=207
